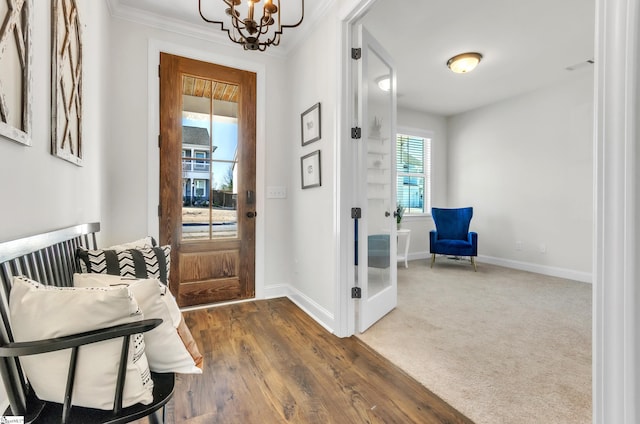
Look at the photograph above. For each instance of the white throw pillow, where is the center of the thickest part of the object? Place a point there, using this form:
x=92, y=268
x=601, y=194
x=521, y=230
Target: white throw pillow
x=143, y=243
x=165, y=348
x=41, y=312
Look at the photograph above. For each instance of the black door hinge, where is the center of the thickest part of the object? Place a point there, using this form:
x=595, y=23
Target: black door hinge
x=159, y=211
x=356, y=133
x=356, y=213
x=356, y=293
x=159, y=141
x=356, y=53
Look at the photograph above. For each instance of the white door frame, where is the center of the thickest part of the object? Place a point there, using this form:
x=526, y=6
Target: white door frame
x=616, y=257
x=616, y=263
x=155, y=47
x=346, y=176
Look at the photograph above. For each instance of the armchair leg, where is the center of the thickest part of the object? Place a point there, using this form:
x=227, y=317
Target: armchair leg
x=433, y=259
x=473, y=262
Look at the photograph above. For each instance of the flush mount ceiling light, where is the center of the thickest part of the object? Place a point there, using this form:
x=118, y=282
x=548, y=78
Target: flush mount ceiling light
x=465, y=62
x=384, y=83
x=253, y=32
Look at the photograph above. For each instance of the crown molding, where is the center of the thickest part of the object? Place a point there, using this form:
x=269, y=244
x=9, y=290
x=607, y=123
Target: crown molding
x=312, y=17
x=213, y=34
x=165, y=23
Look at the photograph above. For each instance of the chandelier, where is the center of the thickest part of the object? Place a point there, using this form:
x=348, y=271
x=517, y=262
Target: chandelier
x=261, y=26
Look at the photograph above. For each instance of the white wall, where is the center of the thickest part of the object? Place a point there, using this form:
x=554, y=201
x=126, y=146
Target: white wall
x=40, y=192
x=295, y=253
x=132, y=155
x=525, y=165
x=421, y=225
x=313, y=77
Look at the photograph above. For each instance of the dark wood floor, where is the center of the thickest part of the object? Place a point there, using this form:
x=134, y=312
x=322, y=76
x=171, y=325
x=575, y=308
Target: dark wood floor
x=268, y=362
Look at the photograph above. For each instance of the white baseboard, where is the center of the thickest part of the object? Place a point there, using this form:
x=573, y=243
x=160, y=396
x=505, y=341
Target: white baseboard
x=315, y=311
x=308, y=305
x=326, y=319
x=270, y=292
x=419, y=255
x=319, y=314
x=276, y=290
x=551, y=271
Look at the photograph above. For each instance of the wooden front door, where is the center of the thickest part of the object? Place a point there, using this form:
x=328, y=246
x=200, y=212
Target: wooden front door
x=207, y=179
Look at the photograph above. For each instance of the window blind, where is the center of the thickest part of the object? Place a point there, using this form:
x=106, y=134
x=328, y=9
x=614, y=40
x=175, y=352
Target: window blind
x=413, y=166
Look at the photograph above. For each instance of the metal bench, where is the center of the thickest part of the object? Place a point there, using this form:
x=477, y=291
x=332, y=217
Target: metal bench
x=49, y=258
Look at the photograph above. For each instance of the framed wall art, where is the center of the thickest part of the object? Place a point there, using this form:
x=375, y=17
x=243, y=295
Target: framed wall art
x=310, y=123
x=310, y=169
x=66, y=82
x=15, y=71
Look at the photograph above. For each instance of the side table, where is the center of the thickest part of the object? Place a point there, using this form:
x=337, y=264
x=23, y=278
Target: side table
x=406, y=234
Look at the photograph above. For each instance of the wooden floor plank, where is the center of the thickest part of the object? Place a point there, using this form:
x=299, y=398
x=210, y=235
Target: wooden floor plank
x=268, y=362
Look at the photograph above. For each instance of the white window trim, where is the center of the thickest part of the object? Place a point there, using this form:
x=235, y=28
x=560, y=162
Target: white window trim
x=426, y=134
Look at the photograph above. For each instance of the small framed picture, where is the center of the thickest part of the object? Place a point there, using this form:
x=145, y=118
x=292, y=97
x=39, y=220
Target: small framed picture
x=310, y=122
x=310, y=169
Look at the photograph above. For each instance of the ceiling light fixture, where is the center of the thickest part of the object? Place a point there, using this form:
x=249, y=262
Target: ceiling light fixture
x=248, y=31
x=465, y=62
x=384, y=83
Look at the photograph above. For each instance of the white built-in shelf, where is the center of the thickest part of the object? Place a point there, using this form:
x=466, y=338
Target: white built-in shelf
x=378, y=181
x=377, y=137
x=378, y=178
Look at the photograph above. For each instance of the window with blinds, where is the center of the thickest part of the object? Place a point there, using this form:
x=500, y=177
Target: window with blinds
x=413, y=166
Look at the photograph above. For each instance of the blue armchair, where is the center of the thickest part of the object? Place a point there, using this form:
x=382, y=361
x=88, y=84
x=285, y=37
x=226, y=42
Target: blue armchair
x=452, y=236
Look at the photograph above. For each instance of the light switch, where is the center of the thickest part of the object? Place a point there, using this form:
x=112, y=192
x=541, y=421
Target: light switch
x=276, y=192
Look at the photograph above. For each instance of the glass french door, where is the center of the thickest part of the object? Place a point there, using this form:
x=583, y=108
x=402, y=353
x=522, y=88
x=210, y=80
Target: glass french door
x=376, y=112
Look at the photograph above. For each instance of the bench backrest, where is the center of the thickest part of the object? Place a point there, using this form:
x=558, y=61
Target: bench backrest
x=48, y=258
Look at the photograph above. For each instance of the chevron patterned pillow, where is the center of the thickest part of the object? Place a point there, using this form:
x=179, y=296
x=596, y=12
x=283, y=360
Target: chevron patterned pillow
x=153, y=262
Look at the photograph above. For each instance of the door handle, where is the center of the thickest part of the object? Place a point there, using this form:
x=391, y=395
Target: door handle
x=252, y=214
x=250, y=197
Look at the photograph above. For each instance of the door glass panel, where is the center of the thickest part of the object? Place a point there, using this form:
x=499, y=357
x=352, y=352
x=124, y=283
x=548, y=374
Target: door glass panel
x=209, y=159
x=380, y=176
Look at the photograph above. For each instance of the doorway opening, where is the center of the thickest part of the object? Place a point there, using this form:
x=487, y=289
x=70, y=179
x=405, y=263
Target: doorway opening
x=207, y=179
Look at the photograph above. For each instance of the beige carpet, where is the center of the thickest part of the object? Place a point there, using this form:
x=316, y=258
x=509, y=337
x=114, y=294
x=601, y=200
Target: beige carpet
x=500, y=345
